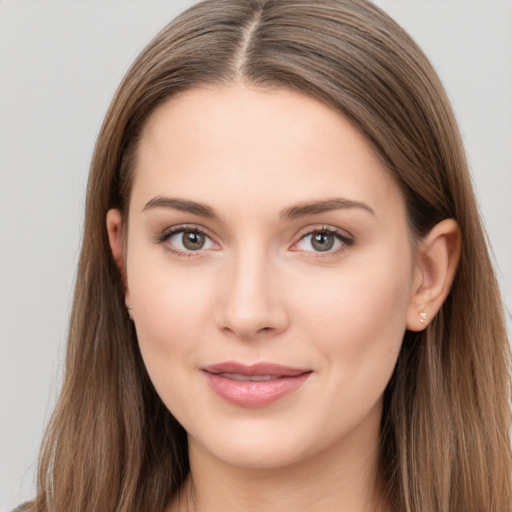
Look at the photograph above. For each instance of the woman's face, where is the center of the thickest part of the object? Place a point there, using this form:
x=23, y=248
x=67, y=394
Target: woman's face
x=270, y=271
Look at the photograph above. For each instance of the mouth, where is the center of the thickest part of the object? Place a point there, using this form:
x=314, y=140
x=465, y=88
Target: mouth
x=254, y=385
x=254, y=378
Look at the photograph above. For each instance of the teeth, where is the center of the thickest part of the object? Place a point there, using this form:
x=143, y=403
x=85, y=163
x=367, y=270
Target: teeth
x=254, y=378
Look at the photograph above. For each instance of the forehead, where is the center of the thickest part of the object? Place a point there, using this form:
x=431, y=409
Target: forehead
x=254, y=145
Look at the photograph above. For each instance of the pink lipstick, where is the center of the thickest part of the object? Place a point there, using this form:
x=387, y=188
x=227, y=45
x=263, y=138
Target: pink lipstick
x=255, y=385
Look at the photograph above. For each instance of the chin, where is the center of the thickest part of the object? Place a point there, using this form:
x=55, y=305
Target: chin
x=260, y=446
x=261, y=456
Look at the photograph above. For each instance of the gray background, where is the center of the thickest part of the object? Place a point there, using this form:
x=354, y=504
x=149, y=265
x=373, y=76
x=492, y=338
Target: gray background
x=60, y=62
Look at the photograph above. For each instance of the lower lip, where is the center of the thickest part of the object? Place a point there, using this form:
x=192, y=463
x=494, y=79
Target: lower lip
x=255, y=393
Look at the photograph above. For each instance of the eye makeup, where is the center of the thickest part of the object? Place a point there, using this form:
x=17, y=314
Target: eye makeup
x=189, y=240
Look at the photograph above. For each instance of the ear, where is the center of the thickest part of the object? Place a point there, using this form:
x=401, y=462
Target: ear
x=115, y=237
x=436, y=263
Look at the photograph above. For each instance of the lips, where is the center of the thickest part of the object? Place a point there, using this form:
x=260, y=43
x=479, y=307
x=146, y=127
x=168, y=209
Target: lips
x=254, y=385
x=253, y=378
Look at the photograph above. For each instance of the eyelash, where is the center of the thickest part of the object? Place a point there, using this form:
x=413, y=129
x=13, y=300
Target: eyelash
x=345, y=239
x=168, y=233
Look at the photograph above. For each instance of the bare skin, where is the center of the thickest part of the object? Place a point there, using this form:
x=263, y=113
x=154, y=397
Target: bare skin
x=263, y=228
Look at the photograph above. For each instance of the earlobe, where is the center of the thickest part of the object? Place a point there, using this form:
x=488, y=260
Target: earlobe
x=436, y=265
x=115, y=237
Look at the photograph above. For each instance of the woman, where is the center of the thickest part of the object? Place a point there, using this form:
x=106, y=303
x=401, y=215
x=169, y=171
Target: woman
x=284, y=297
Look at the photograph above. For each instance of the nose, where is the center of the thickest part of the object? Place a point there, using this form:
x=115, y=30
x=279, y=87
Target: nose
x=251, y=300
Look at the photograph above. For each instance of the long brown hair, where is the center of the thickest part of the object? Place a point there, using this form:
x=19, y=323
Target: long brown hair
x=113, y=446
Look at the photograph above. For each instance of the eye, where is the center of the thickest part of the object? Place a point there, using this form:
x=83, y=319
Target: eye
x=186, y=240
x=322, y=240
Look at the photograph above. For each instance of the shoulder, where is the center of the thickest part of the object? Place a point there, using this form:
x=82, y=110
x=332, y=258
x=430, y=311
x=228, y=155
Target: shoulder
x=24, y=507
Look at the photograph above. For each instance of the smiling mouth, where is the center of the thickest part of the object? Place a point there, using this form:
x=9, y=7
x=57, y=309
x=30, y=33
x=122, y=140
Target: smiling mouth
x=255, y=385
x=254, y=378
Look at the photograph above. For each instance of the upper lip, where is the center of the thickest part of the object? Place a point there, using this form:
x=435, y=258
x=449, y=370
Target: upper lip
x=255, y=369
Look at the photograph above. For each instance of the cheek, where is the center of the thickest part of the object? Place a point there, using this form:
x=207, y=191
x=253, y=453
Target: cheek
x=357, y=316
x=170, y=312
x=354, y=323
x=170, y=309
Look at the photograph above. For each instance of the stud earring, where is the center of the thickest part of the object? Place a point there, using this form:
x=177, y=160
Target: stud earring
x=423, y=317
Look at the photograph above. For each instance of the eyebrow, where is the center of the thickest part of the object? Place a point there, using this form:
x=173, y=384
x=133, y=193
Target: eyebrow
x=291, y=213
x=183, y=205
x=315, y=207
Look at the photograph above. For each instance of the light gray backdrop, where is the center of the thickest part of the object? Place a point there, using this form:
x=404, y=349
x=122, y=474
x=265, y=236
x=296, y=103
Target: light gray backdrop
x=60, y=62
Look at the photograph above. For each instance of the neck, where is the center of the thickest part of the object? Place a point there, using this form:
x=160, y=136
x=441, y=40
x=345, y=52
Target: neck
x=342, y=477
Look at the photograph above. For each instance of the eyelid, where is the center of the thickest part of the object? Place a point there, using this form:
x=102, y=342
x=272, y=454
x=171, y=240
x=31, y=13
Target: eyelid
x=346, y=238
x=173, y=230
x=323, y=227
